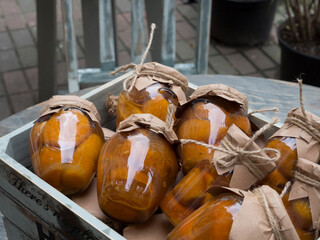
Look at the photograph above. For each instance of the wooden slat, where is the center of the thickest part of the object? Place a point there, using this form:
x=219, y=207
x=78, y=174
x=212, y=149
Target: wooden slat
x=33, y=200
x=13, y=232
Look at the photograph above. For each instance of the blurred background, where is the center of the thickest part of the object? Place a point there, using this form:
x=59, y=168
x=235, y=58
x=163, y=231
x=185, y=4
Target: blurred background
x=18, y=49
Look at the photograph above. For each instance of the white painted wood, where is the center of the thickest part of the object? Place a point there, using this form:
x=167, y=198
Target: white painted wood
x=27, y=199
x=13, y=232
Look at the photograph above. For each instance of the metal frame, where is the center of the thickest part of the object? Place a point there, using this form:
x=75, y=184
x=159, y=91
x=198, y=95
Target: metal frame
x=163, y=48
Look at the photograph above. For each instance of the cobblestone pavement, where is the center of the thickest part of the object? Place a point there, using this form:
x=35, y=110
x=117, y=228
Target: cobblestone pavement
x=18, y=51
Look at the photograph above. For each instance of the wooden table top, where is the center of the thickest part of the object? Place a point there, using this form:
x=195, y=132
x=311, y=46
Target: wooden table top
x=261, y=93
x=267, y=93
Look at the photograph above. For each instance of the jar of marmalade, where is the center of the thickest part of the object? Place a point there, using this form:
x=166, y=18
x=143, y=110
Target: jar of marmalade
x=237, y=215
x=303, y=199
x=190, y=193
x=65, y=143
x=155, y=88
x=137, y=166
x=293, y=140
x=284, y=165
x=212, y=221
x=212, y=109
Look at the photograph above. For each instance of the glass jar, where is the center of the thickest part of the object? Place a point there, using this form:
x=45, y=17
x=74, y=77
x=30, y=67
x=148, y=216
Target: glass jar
x=153, y=99
x=64, y=149
x=208, y=120
x=190, y=193
x=285, y=164
x=212, y=221
x=300, y=214
x=135, y=170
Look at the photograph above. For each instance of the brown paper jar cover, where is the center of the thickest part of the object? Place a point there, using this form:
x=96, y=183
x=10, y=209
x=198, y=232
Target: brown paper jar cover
x=293, y=142
x=212, y=109
x=190, y=193
x=153, y=93
x=65, y=143
x=237, y=215
x=302, y=201
x=137, y=166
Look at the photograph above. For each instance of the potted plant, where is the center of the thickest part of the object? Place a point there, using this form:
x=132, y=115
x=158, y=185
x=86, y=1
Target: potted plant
x=242, y=22
x=299, y=39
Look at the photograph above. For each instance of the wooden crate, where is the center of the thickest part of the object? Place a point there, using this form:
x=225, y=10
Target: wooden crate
x=33, y=209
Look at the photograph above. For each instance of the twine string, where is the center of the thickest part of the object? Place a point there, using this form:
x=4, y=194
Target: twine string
x=170, y=116
x=236, y=155
x=301, y=99
x=264, y=110
x=305, y=179
x=272, y=221
x=138, y=70
x=304, y=123
x=286, y=189
x=111, y=104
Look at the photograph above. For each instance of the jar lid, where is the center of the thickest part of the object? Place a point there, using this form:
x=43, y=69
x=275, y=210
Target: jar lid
x=223, y=91
x=165, y=75
x=55, y=103
x=150, y=122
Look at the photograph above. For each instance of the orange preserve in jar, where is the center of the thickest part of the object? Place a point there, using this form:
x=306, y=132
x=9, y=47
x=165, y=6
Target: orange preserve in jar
x=207, y=118
x=300, y=214
x=238, y=215
x=190, y=193
x=297, y=138
x=65, y=143
x=155, y=88
x=302, y=199
x=137, y=166
x=242, y=172
x=212, y=221
x=284, y=165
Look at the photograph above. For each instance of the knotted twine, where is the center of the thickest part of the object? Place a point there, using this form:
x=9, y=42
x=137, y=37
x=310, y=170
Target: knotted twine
x=138, y=69
x=274, y=109
x=237, y=155
x=303, y=122
x=111, y=104
x=272, y=221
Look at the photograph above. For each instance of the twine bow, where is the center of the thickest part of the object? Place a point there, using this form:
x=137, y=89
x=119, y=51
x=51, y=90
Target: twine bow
x=236, y=155
x=272, y=221
x=303, y=122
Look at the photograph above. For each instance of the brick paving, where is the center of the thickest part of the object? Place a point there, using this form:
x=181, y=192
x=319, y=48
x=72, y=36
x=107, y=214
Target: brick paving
x=18, y=52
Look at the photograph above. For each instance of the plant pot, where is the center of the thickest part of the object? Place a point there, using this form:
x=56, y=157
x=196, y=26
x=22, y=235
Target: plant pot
x=295, y=64
x=242, y=22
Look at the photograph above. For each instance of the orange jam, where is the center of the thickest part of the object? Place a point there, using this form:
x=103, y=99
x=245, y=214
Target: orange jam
x=135, y=171
x=153, y=99
x=64, y=148
x=207, y=120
